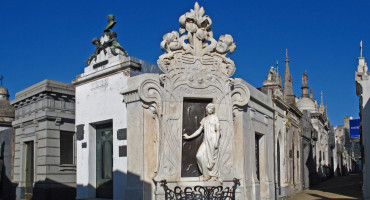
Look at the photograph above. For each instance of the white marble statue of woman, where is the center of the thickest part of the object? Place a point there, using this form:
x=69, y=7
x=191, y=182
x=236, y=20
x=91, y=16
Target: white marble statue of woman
x=208, y=152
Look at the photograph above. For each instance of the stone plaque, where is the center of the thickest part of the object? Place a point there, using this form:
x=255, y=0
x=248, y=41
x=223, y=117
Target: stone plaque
x=80, y=132
x=102, y=63
x=122, y=151
x=194, y=111
x=122, y=134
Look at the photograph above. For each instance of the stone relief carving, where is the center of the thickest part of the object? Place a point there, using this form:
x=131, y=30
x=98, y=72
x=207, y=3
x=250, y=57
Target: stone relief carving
x=196, y=42
x=195, y=66
x=208, y=155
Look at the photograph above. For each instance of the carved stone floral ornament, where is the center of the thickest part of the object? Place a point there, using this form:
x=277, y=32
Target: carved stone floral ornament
x=195, y=48
x=195, y=67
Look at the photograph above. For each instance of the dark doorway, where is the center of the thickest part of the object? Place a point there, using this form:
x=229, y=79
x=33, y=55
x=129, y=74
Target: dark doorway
x=257, y=154
x=194, y=111
x=293, y=168
x=104, y=161
x=29, y=169
x=278, y=166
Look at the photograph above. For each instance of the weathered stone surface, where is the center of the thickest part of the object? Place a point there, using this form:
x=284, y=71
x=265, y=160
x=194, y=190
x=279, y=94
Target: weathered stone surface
x=42, y=112
x=196, y=70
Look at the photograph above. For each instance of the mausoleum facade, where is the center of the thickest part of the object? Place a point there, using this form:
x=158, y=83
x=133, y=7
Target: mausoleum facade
x=44, y=155
x=164, y=109
x=101, y=122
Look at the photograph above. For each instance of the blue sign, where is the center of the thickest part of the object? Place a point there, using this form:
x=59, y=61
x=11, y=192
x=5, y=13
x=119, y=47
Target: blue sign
x=354, y=128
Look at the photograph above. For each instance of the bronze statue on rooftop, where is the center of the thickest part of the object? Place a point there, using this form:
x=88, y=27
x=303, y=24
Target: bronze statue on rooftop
x=111, y=43
x=110, y=24
x=98, y=48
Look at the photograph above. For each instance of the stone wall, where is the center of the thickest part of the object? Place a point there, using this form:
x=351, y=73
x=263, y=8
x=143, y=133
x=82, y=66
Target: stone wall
x=98, y=101
x=43, y=111
x=7, y=188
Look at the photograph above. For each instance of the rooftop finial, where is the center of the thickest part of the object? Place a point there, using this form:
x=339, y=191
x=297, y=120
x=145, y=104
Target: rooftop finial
x=322, y=98
x=304, y=78
x=1, y=79
x=286, y=56
x=361, y=49
x=277, y=66
x=311, y=93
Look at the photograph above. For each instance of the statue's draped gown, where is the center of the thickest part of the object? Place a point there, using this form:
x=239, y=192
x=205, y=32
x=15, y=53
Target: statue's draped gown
x=207, y=155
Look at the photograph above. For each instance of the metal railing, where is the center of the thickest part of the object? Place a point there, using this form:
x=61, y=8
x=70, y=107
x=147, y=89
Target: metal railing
x=200, y=192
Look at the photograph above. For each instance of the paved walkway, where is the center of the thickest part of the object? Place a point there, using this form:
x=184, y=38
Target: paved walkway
x=343, y=187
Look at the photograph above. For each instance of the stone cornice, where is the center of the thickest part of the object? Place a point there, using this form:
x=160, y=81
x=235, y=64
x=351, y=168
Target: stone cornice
x=44, y=86
x=127, y=63
x=47, y=117
x=131, y=96
x=295, y=110
x=280, y=102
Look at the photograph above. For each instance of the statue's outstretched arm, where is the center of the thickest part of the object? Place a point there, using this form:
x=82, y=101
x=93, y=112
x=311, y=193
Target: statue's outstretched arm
x=195, y=134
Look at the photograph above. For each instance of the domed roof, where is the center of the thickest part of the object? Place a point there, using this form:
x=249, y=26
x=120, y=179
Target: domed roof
x=306, y=104
x=7, y=112
x=3, y=92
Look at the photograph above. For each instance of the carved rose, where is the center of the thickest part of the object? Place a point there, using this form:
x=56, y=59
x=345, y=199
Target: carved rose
x=225, y=44
x=171, y=42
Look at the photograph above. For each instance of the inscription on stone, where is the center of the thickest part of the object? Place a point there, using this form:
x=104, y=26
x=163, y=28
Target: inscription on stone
x=122, y=134
x=122, y=151
x=30, y=130
x=80, y=132
x=102, y=63
x=99, y=84
x=190, y=91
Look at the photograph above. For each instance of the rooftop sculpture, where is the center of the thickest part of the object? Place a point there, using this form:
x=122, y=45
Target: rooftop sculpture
x=103, y=44
x=304, y=78
x=110, y=24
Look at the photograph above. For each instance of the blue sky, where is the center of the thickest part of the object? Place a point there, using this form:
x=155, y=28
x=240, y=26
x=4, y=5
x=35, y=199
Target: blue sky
x=50, y=39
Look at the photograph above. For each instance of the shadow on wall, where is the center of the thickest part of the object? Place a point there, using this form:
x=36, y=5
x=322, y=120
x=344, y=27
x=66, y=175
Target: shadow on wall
x=49, y=189
x=314, y=177
x=133, y=185
x=7, y=188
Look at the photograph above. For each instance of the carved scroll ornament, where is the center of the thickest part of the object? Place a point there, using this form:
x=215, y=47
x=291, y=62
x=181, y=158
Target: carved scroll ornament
x=150, y=92
x=240, y=95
